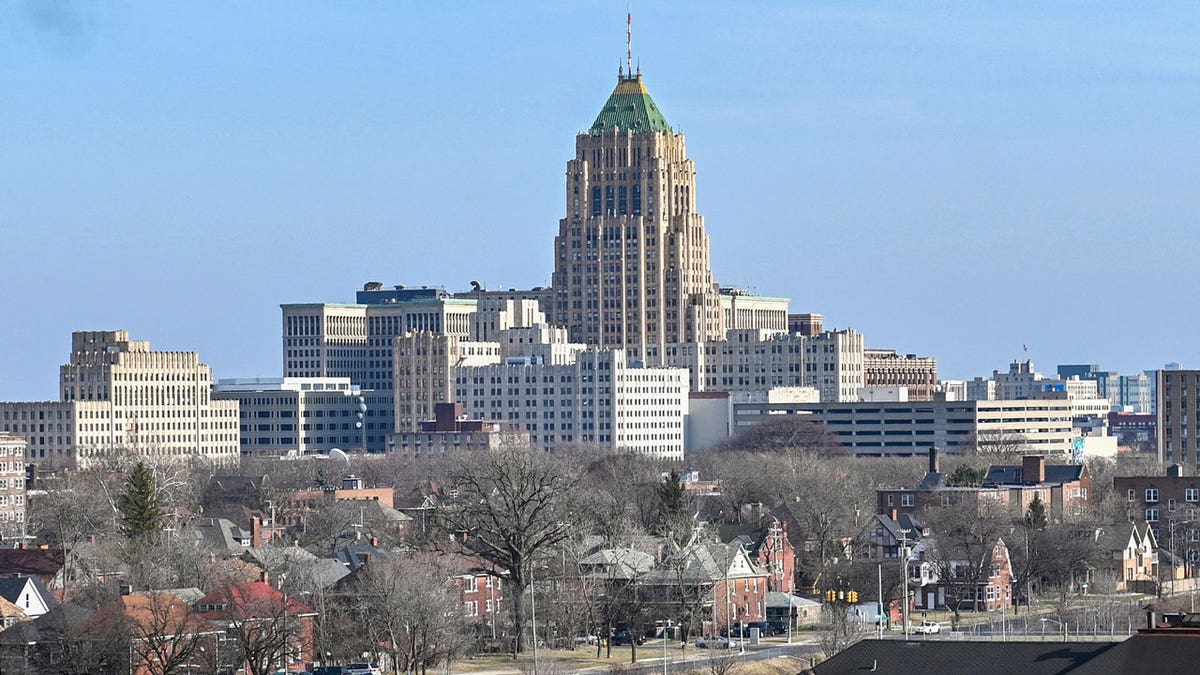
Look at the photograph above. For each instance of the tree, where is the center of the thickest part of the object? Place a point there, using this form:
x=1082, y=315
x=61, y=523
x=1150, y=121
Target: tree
x=141, y=520
x=164, y=635
x=265, y=626
x=785, y=434
x=966, y=476
x=512, y=505
x=674, y=519
x=964, y=538
x=407, y=610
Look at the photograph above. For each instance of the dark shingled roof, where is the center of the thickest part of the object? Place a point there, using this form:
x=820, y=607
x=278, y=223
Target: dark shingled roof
x=977, y=658
x=1014, y=475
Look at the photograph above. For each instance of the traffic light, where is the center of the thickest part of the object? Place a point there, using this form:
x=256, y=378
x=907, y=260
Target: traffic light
x=831, y=596
x=852, y=596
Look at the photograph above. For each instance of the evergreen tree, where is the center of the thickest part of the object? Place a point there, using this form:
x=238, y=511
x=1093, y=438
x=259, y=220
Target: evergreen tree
x=965, y=476
x=1035, y=516
x=674, y=512
x=141, y=521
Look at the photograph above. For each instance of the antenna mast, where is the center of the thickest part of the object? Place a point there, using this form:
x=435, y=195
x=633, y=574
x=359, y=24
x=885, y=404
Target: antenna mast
x=629, y=44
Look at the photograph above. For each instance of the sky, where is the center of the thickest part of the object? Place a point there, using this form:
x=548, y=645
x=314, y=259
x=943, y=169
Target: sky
x=966, y=180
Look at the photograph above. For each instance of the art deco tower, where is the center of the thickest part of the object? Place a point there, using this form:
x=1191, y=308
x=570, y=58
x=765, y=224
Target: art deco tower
x=631, y=262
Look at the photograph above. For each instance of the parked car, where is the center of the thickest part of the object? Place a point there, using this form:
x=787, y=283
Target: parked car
x=719, y=642
x=363, y=669
x=625, y=637
x=330, y=670
x=765, y=628
x=928, y=627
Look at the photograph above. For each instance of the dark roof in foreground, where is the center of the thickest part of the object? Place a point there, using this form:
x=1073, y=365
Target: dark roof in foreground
x=977, y=658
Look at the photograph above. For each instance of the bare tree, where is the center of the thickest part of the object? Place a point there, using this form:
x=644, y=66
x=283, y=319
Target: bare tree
x=512, y=505
x=267, y=628
x=407, y=609
x=786, y=434
x=961, y=551
x=163, y=634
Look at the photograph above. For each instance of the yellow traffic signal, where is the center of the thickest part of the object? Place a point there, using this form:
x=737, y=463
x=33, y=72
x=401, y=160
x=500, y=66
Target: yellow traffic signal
x=852, y=597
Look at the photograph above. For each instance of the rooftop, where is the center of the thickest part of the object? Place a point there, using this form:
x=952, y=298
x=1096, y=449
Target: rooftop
x=630, y=107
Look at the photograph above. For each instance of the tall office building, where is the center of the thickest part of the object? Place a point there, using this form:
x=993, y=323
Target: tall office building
x=631, y=259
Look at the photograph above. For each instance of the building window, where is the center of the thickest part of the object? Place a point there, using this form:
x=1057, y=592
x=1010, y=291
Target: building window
x=1192, y=495
x=907, y=500
x=1151, y=495
x=1151, y=515
x=1132, y=495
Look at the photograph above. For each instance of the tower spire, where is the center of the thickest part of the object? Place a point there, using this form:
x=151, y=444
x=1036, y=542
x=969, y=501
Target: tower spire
x=629, y=44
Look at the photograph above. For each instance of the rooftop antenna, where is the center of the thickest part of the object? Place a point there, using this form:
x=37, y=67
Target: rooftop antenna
x=629, y=44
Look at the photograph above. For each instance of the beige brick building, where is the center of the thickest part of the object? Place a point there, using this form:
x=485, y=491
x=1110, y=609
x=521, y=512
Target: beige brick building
x=119, y=397
x=12, y=487
x=631, y=259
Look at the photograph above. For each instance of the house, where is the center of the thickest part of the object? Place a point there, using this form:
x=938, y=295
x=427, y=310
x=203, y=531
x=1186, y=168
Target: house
x=1064, y=489
x=770, y=548
x=36, y=645
x=992, y=590
x=222, y=535
x=28, y=594
x=43, y=562
x=1131, y=557
x=157, y=626
x=257, y=611
x=891, y=531
x=10, y=614
x=731, y=587
x=1069, y=485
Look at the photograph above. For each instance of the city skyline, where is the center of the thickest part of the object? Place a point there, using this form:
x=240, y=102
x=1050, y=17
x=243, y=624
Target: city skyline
x=180, y=172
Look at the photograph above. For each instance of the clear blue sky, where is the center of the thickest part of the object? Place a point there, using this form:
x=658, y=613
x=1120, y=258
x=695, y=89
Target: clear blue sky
x=953, y=179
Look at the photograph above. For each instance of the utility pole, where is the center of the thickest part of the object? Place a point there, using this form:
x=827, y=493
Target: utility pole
x=878, y=615
x=904, y=573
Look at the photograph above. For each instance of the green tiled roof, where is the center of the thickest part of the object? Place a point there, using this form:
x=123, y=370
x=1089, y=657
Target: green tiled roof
x=630, y=107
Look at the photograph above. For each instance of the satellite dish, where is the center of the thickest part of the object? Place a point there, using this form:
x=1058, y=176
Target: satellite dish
x=338, y=453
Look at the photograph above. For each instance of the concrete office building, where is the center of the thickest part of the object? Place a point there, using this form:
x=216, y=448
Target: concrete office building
x=451, y=431
x=753, y=360
x=743, y=309
x=118, y=397
x=424, y=369
x=909, y=428
x=598, y=399
x=886, y=368
x=307, y=415
x=12, y=487
x=355, y=340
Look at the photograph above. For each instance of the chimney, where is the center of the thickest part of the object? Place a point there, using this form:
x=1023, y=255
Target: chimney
x=1033, y=469
x=375, y=541
x=1151, y=619
x=125, y=589
x=255, y=532
x=935, y=465
x=263, y=577
x=893, y=513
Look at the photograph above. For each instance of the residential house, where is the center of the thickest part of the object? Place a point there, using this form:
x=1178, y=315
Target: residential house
x=39, y=644
x=1064, y=489
x=1069, y=486
x=731, y=586
x=770, y=548
x=43, y=562
x=246, y=610
x=993, y=590
x=1130, y=557
x=29, y=594
x=158, y=627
